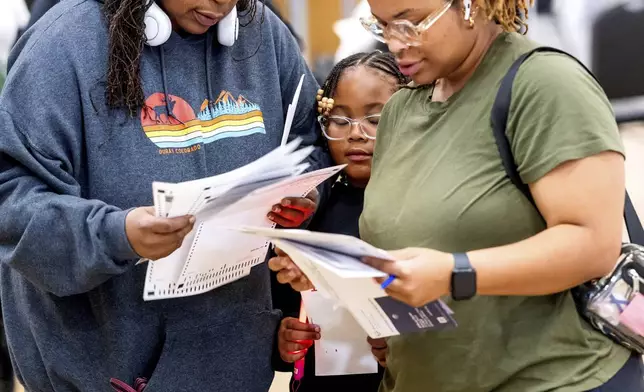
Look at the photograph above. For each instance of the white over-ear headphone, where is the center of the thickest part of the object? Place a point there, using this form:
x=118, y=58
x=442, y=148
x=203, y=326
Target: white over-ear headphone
x=228, y=28
x=158, y=27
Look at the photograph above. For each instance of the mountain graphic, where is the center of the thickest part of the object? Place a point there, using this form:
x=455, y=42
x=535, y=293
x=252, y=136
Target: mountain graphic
x=226, y=104
x=227, y=97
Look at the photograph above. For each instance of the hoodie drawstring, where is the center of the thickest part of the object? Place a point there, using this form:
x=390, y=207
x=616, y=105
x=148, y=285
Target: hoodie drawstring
x=119, y=386
x=166, y=96
x=209, y=44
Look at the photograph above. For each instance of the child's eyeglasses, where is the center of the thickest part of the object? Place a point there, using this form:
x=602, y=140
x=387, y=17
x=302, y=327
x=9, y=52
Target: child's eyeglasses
x=339, y=127
x=403, y=30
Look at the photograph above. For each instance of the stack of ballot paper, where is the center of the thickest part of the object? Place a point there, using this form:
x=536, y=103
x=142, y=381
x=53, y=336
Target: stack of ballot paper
x=333, y=264
x=212, y=254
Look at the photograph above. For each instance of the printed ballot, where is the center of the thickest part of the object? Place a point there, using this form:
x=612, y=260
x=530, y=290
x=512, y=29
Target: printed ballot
x=333, y=264
x=213, y=255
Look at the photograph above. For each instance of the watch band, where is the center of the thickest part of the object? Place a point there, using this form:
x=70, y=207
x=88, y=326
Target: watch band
x=462, y=262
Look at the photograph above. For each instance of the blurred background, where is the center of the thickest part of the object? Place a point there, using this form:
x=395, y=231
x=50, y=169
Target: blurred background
x=607, y=35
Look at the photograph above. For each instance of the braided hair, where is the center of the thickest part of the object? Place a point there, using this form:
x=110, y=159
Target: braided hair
x=126, y=30
x=379, y=61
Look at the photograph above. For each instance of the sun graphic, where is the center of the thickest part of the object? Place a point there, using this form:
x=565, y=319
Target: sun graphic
x=156, y=111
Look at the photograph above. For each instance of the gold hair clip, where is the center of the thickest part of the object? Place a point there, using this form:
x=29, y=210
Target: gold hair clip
x=325, y=105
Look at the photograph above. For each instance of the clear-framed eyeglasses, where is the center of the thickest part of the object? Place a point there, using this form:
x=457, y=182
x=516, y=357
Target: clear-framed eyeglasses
x=403, y=30
x=339, y=127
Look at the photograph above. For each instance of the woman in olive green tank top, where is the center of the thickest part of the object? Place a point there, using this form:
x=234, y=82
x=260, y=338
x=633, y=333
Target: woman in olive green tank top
x=438, y=191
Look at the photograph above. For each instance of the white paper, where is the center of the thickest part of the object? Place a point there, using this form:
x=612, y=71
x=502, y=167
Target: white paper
x=340, y=264
x=290, y=114
x=356, y=294
x=343, y=349
x=189, y=198
x=212, y=254
x=333, y=264
x=338, y=243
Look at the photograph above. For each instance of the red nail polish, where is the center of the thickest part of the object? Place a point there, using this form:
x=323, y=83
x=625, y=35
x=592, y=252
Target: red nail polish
x=305, y=343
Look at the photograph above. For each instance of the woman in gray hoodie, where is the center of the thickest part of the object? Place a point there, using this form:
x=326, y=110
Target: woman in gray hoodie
x=90, y=116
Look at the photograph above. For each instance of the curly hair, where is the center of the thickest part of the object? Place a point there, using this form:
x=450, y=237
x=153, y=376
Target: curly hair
x=126, y=30
x=512, y=15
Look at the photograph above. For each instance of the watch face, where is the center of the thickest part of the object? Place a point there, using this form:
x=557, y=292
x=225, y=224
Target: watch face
x=463, y=284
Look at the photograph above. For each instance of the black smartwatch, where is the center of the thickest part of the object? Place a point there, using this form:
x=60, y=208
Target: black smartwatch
x=463, y=278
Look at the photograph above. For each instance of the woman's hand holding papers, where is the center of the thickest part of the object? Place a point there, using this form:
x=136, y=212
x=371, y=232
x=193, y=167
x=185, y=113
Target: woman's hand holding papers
x=294, y=338
x=294, y=211
x=152, y=237
x=288, y=272
x=422, y=275
x=379, y=349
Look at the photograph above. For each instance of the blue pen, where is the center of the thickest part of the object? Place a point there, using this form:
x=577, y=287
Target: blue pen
x=387, y=282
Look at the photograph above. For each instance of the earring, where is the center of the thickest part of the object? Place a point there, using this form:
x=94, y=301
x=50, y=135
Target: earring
x=467, y=10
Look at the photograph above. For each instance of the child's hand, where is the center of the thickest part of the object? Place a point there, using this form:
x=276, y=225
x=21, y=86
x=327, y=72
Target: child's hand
x=288, y=272
x=379, y=350
x=294, y=211
x=295, y=338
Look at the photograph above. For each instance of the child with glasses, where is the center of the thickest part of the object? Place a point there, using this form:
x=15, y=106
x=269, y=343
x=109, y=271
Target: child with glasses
x=349, y=105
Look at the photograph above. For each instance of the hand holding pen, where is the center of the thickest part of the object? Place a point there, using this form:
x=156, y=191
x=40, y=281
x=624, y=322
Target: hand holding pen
x=417, y=277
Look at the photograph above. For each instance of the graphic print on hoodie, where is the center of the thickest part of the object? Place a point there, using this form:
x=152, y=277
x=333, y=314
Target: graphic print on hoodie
x=70, y=170
x=174, y=127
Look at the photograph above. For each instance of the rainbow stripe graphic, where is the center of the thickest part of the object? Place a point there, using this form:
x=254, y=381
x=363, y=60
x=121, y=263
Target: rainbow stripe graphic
x=223, y=120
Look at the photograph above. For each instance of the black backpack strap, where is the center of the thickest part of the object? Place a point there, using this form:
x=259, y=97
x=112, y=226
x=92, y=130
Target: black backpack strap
x=499, y=117
x=633, y=223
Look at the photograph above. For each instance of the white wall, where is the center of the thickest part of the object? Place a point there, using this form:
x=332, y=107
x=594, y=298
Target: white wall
x=13, y=15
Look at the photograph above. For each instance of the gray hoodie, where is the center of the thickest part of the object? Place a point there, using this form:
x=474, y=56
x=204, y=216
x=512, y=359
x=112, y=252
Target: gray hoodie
x=69, y=170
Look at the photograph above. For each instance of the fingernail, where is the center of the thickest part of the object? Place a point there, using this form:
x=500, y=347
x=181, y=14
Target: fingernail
x=270, y=217
x=286, y=203
x=317, y=329
x=192, y=219
x=277, y=210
